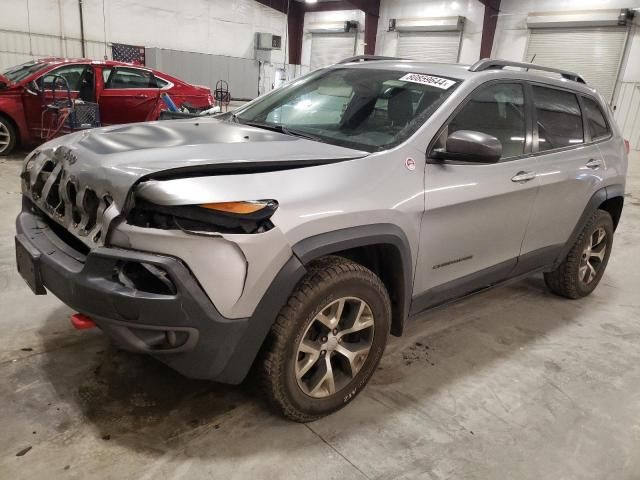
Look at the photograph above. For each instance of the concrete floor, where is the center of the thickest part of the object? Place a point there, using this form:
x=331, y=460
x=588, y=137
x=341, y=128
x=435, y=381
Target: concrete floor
x=512, y=384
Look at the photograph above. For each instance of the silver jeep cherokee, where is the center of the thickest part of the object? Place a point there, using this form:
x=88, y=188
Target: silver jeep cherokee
x=298, y=232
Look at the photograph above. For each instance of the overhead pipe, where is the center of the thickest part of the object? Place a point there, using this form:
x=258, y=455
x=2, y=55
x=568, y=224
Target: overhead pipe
x=63, y=38
x=84, y=55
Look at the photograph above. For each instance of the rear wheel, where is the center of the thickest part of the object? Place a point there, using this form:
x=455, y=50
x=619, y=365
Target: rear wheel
x=327, y=340
x=7, y=136
x=580, y=272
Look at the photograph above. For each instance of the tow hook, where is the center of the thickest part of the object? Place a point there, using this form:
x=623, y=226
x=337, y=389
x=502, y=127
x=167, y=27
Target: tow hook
x=81, y=322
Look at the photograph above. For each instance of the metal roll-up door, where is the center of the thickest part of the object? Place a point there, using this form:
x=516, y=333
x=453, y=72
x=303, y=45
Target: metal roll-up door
x=429, y=46
x=330, y=48
x=593, y=52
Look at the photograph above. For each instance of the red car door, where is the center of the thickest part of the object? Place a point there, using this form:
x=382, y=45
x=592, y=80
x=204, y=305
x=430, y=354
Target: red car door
x=40, y=93
x=130, y=95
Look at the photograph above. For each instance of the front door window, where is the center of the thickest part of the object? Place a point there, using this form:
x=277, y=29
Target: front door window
x=497, y=110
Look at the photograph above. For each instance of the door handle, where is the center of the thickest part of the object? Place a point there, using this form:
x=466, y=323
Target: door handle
x=594, y=164
x=141, y=95
x=523, y=177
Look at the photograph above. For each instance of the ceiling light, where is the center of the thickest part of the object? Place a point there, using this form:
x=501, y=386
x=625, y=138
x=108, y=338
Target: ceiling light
x=311, y=1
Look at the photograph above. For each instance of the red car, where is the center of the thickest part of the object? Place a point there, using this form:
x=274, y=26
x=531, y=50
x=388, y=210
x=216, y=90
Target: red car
x=125, y=93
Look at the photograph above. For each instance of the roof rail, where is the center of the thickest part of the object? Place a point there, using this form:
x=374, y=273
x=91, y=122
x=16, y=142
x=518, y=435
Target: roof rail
x=367, y=58
x=490, y=64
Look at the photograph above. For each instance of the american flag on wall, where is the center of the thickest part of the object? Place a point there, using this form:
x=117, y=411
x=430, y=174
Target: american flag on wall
x=127, y=53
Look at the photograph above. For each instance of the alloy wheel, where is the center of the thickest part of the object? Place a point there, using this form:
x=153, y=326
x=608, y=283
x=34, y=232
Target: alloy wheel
x=334, y=347
x=593, y=256
x=5, y=137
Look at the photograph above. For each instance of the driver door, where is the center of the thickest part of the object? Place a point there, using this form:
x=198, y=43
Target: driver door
x=36, y=97
x=476, y=214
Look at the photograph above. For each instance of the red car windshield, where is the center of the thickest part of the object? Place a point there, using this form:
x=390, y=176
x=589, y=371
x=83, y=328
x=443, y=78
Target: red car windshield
x=16, y=74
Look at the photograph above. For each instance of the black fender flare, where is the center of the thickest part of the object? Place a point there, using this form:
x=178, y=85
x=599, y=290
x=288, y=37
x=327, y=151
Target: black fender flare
x=597, y=199
x=360, y=236
x=258, y=325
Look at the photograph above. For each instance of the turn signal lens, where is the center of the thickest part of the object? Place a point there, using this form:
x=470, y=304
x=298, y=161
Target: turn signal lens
x=240, y=208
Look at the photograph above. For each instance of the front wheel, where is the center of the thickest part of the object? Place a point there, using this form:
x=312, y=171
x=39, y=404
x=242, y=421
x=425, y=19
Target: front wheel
x=8, y=136
x=580, y=272
x=327, y=340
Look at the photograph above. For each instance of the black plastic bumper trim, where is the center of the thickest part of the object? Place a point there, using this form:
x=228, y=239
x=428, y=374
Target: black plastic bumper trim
x=217, y=348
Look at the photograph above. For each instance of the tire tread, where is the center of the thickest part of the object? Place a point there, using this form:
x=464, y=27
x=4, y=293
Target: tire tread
x=564, y=279
x=320, y=273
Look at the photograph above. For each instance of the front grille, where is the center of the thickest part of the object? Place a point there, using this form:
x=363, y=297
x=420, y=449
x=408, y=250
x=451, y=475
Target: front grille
x=59, y=194
x=79, y=248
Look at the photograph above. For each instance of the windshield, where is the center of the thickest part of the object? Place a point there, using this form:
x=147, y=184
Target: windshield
x=15, y=74
x=366, y=109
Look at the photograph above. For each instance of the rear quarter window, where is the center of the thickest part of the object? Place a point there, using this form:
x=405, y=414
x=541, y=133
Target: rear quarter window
x=596, y=119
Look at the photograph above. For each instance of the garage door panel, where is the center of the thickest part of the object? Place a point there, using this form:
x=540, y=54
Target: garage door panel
x=429, y=46
x=330, y=48
x=593, y=52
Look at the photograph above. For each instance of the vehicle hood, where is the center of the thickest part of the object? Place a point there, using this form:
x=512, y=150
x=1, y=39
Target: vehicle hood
x=112, y=160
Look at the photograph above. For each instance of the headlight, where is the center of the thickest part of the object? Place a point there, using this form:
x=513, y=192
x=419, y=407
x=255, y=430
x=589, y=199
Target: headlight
x=224, y=217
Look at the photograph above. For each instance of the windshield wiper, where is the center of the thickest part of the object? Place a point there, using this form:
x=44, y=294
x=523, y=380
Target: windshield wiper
x=282, y=129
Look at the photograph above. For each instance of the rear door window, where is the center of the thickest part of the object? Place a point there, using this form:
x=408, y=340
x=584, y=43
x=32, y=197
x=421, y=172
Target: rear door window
x=595, y=119
x=130, y=78
x=559, y=119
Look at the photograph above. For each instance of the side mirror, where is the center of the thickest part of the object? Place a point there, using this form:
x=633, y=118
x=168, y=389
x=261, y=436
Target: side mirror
x=3, y=85
x=32, y=88
x=470, y=146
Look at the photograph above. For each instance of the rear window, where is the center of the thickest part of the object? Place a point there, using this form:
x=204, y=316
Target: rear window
x=559, y=118
x=596, y=120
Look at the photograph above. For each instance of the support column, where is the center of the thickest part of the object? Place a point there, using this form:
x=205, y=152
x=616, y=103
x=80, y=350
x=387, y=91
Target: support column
x=295, y=26
x=491, y=11
x=371, y=17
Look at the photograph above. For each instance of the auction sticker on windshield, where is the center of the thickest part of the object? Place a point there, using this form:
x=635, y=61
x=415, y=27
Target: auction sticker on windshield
x=438, y=82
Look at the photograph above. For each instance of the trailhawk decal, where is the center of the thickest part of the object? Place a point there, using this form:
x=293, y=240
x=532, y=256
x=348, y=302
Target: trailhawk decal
x=452, y=262
x=438, y=82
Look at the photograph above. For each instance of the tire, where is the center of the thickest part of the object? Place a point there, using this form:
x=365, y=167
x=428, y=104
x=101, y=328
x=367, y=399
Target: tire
x=580, y=272
x=8, y=136
x=291, y=371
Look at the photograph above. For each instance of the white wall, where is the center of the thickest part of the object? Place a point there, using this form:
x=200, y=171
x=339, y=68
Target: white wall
x=336, y=16
x=510, y=42
x=472, y=10
x=631, y=68
x=627, y=102
x=221, y=27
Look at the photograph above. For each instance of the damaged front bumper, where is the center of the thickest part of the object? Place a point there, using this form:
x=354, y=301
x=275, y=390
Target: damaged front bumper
x=171, y=319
